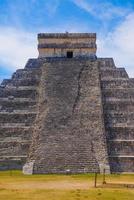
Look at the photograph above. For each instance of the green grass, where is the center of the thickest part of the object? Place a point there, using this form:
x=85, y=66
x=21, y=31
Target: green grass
x=16, y=186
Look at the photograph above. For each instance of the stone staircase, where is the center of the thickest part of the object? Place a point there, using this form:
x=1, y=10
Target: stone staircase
x=18, y=99
x=69, y=133
x=118, y=105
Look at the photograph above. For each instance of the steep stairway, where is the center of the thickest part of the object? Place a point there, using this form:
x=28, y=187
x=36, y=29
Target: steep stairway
x=69, y=130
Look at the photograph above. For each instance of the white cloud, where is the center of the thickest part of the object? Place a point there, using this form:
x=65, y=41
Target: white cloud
x=103, y=10
x=16, y=46
x=119, y=44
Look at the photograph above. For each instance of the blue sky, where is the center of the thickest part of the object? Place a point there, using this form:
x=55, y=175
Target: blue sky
x=21, y=20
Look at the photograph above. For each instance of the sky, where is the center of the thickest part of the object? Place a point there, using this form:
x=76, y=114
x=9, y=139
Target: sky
x=22, y=20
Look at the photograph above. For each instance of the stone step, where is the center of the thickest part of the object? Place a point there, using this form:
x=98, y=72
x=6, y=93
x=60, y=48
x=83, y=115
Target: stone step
x=110, y=107
x=15, y=125
x=20, y=112
x=122, y=143
x=119, y=89
x=106, y=63
x=121, y=140
x=119, y=122
x=16, y=105
x=121, y=147
x=115, y=100
x=117, y=83
x=19, y=88
x=14, y=140
x=112, y=69
x=21, y=80
x=14, y=148
x=5, y=82
x=25, y=82
x=12, y=162
x=115, y=73
x=122, y=163
x=121, y=156
x=12, y=157
x=73, y=167
x=23, y=132
x=17, y=100
x=17, y=118
x=26, y=73
x=18, y=92
x=116, y=114
x=119, y=93
x=121, y=125
x=115, y=80
x=34, y=63
x=115, y=118
x=120, y=133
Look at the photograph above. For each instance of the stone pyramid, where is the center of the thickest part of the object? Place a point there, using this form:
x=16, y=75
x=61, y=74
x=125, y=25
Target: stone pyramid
x=67, y=111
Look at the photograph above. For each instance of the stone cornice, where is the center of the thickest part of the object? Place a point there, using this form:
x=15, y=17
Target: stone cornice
x=67, y=35
x=68, y=45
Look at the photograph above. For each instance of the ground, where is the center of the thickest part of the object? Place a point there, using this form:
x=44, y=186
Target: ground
x=16, y=186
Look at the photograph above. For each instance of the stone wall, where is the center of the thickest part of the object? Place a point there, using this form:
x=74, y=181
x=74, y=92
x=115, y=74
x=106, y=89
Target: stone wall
x=57, y=45
x=62, y=52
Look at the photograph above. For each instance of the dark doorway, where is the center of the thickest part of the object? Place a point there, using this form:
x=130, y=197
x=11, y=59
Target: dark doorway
x=69, y=54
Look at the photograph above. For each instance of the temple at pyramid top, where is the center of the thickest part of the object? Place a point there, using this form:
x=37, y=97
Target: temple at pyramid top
x=67, y=45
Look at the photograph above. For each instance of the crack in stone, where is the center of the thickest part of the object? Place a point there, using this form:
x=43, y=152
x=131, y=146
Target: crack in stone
x=78, y=90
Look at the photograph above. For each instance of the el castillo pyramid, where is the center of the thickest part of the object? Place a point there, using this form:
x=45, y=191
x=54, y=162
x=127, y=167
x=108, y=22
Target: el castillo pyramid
x=67, y=111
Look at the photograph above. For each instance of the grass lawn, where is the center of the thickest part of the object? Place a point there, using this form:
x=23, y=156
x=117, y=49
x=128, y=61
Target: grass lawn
x=16, y=186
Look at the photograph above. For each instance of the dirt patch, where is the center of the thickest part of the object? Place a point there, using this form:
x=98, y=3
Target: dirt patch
x=49, y=185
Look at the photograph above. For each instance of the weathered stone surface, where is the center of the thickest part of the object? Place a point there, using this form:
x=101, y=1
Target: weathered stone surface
x=118, y=106
x=69, y=128
x=18, y=98
x=75, y=114
x=57, y=45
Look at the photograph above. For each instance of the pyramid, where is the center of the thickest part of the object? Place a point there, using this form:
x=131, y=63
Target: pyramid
x=67, y=111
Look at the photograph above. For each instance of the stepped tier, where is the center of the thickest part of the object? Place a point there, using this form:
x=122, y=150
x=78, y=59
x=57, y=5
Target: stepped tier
x=12, y=162
x=113, y=118
x=124, y=105
x=122, y=164
x=14, y=147
x=26, y=77
x=18, y=109
x=119, y=93
x=17, y=117
x=121, y=147
x=20, y=131
x=120, y=132
x=18, y=92
x=35, y=105
x=105, y=63
x=118, y=83
x=118, y=105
